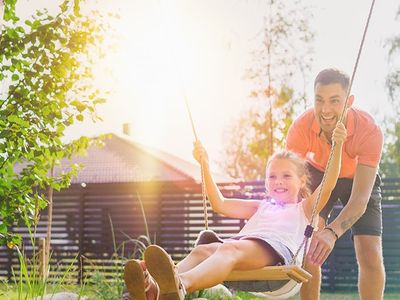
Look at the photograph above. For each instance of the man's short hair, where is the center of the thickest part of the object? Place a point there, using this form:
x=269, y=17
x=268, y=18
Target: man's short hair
x=329, y=76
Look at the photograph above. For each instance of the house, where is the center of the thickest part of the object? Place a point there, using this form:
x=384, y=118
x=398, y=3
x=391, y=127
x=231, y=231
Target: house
x=122, y=160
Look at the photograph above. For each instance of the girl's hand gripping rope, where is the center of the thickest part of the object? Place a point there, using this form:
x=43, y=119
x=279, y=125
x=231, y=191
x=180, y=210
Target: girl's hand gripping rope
x=200, y=154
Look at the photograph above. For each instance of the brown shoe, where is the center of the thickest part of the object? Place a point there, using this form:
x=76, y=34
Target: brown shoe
x=162, y=268
x=138, y=281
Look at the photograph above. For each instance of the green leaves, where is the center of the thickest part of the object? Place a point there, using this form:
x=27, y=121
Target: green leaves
x=3, y=229
x=17, y=120
x=9, y=11
x=45, y=67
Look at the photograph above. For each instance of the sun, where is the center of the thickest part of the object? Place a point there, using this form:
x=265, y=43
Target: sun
x=152, y=68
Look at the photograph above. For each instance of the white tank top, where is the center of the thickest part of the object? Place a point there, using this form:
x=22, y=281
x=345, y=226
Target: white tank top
x=283, y=223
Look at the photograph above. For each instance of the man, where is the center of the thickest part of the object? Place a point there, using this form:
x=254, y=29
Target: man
x=358, y=187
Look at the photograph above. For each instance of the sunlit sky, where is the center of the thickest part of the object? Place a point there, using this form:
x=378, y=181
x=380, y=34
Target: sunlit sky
x=168, y=49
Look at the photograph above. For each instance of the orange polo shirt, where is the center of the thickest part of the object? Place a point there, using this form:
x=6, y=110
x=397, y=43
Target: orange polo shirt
x=363, y=144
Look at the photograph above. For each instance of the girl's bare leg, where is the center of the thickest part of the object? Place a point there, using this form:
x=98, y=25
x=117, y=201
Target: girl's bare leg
x=196, y=256
x=235, y=255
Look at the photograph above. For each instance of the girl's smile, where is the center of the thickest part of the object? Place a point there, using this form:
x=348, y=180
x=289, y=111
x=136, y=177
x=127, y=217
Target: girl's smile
x=283, y=182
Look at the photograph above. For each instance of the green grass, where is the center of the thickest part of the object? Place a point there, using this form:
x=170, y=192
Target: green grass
x=351, y=296
x=329, y=296
x=324, y=296
x=9, y=292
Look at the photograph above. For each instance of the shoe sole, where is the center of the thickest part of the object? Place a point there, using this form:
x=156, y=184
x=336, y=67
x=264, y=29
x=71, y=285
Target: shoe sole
x=162, y=268
x=134, y=280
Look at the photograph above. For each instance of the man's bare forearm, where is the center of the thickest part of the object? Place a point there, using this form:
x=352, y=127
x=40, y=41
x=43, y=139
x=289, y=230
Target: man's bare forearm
x=363, y=183
x=346, y=224
x=348, y=216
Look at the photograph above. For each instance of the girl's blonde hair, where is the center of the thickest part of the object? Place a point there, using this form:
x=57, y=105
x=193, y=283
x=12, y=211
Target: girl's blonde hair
x=301, y=168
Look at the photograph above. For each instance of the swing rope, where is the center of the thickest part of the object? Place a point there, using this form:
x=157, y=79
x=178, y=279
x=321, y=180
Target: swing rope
x=203, y=184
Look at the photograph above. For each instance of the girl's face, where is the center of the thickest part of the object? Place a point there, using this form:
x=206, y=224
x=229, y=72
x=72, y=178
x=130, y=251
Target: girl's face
x=283, y=182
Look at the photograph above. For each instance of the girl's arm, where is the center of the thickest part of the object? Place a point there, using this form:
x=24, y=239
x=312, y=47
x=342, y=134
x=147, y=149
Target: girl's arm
x=233, y=208
x=339, y=136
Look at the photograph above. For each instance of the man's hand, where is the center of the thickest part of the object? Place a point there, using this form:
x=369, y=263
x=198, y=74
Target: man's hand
x=321, y=246
x=339, y=133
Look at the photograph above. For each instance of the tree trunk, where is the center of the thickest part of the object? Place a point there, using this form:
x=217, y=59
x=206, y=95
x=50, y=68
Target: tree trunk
x=49, y=226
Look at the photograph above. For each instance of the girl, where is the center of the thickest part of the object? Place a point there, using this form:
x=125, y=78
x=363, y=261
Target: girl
x=272, y=234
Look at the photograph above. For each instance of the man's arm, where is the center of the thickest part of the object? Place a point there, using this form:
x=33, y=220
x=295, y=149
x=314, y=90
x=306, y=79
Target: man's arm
x=364, y=178
x=363, y=183
x=324, y=241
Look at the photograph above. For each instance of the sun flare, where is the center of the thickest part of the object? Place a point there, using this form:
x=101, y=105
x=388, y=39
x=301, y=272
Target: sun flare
x=157, y=62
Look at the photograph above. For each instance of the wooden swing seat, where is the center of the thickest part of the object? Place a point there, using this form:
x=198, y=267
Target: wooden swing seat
x=271, y=273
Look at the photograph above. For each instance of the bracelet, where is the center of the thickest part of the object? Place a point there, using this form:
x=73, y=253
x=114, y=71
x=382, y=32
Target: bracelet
x=333, y=231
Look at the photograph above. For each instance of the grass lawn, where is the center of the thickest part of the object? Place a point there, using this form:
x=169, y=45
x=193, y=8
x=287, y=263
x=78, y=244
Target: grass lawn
x=7, y=292
x=10, y=291
x=342, y=296
x=324, y=296
x=351, y=296
x=329, y=296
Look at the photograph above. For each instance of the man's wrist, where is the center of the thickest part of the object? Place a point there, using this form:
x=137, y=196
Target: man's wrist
x=332, y=231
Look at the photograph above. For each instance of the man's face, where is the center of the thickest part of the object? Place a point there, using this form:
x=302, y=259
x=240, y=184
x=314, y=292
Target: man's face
x=328, y=106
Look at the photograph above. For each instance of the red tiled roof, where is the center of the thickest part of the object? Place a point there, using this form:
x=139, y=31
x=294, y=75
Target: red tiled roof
x=123, y=160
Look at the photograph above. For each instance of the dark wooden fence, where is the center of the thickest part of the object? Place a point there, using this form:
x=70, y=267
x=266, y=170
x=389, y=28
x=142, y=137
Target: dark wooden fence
x=92, y=223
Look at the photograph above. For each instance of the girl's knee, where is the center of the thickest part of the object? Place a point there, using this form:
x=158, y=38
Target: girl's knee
x=242, y=255
x=203, y=251
x=229, y=251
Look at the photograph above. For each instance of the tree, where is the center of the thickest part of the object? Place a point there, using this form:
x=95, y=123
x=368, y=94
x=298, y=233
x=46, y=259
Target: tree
x=390, y=164
x=242, y=163
x=47, y=85
x=283, y=58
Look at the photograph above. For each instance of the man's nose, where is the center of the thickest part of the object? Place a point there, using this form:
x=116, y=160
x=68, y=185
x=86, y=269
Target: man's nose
x=326, y=108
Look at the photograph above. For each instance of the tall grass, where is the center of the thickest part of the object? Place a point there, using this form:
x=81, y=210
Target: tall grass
x=33, y=279
x=112, y=287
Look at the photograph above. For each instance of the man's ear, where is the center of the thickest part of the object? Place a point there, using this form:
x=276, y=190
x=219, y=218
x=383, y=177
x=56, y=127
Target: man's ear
x=350, y=101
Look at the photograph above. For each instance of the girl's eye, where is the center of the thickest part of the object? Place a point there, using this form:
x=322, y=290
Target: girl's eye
x=287, y=176
x=271, y=176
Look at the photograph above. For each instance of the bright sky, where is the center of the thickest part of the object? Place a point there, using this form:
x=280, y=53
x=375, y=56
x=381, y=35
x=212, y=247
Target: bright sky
x=172, y=48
